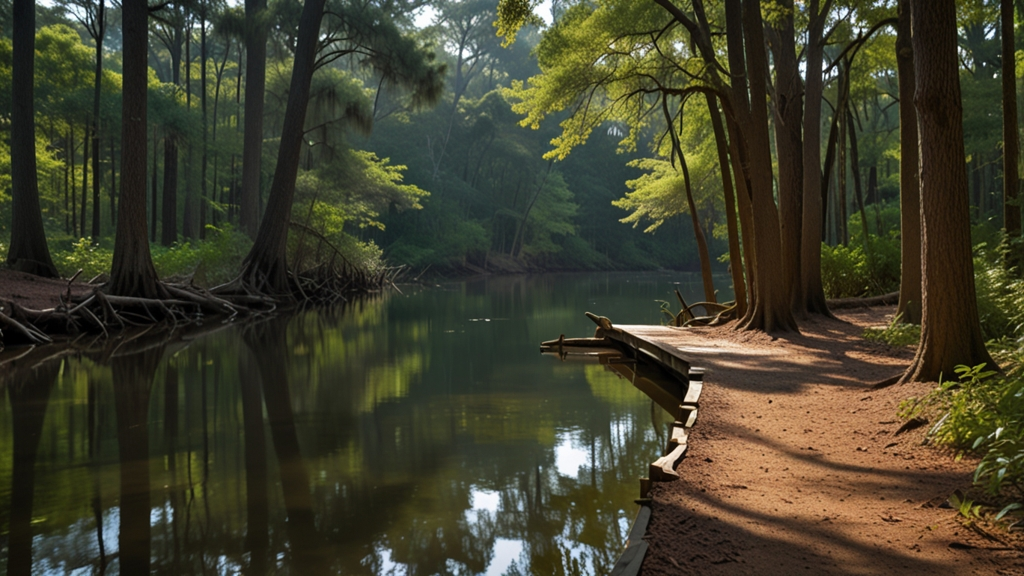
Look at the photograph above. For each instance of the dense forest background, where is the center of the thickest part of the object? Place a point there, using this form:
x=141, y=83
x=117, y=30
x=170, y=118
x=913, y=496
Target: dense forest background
x=458, y=186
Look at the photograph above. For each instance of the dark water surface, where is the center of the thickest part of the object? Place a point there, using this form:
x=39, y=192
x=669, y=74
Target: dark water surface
x=417, y=433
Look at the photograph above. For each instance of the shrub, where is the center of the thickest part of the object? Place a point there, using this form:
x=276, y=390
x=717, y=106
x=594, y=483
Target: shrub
x=212, y=261
x=83, y=255
x=896, y=334
x=849, y=271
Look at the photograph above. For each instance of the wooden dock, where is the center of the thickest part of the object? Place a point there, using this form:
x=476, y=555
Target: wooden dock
x=651, y=359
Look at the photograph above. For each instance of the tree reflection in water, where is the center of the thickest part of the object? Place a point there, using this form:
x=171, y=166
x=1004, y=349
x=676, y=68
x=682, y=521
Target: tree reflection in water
x=407, y=435
x=133, y=375
x=29, y=394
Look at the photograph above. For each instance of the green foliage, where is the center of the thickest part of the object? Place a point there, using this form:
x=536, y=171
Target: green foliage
x=849, y=271
x=964, y=505
x=1000, y=295
x=974, y=404
x=208, y=262
x=896, y=334
x=982, y=410
x=83, y=255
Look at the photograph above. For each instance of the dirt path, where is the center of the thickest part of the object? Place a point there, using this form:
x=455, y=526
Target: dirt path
x=795, y=468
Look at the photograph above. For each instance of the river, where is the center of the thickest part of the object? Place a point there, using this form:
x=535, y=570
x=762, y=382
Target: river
x=413, y=433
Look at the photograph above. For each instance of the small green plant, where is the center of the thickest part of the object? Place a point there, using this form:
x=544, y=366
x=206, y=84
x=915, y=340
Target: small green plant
x=85, y=256
x=964, y=505
x=897, y=334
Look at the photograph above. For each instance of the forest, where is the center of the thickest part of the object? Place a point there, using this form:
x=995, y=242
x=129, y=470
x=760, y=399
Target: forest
x=259, y=149
x=174, y=160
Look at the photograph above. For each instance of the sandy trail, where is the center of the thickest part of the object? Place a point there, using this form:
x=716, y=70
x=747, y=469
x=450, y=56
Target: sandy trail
x=794, y=466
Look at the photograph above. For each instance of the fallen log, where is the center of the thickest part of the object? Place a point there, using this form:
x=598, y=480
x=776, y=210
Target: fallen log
x=889, y=299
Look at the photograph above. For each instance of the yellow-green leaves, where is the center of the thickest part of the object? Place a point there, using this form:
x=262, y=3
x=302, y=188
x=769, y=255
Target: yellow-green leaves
x=603, y=62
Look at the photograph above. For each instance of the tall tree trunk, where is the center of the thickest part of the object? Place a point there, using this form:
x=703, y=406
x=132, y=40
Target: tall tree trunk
x=739, y=105
x=828, y=176
x=909, y=307
x=169, y=229
x=113, y=184
x=698, y=231
x=98, y=38
x=252, y=143
x=266, y=265
x=950, y=331
x=772, y=310
x=202, y=87
x=1011, y=136
x=132, y=272
x=72, y=187
x=810, y=297
x=86, y=140
x=153, y=175
x=735, y=256
x=788, y=113
x=857, y=191
x=188, y=218
x=28, y=250
x=68, y=222
x=841, y=200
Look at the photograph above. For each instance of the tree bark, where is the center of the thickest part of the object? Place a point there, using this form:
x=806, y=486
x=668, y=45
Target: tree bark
x=772, y=310
x=154, y=212
x=788, y=114
x=100, y=28
x=86, y=140
x=188, y=215
x=909, y=307
x=735, y=256
x=113, y=184
x=132, y=272
x=169, y=229
x=841, y=201
x=255, y=85
x=1011, y=136
x=266, y=264
x=698, y=231
x=810, y=297
x=858, y=192
x=28, y=250
x=950, y=330
x=202, y=98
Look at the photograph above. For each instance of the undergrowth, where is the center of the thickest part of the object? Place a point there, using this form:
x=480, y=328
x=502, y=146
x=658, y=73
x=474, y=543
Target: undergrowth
x=852, y=271
x=981, y=411
x=208, y=262
x=897, y=334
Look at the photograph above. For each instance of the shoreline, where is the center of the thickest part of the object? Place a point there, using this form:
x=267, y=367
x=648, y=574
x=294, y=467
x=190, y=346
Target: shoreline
x=798, y=466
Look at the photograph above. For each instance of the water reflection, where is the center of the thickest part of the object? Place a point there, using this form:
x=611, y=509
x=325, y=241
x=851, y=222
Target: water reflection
x=398, y=436
x=28, y=397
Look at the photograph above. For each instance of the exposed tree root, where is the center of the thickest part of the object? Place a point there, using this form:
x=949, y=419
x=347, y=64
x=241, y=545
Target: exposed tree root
x=101, y=313
x=327, y=278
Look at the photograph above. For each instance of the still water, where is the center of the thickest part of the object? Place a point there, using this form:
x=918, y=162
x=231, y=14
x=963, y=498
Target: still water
x=411, y=434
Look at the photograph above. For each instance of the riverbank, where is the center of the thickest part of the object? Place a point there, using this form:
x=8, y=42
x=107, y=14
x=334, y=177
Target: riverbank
x=796, y=466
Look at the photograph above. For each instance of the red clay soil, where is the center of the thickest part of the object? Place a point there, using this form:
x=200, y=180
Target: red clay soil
x=35, y=292
x=794, y=466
